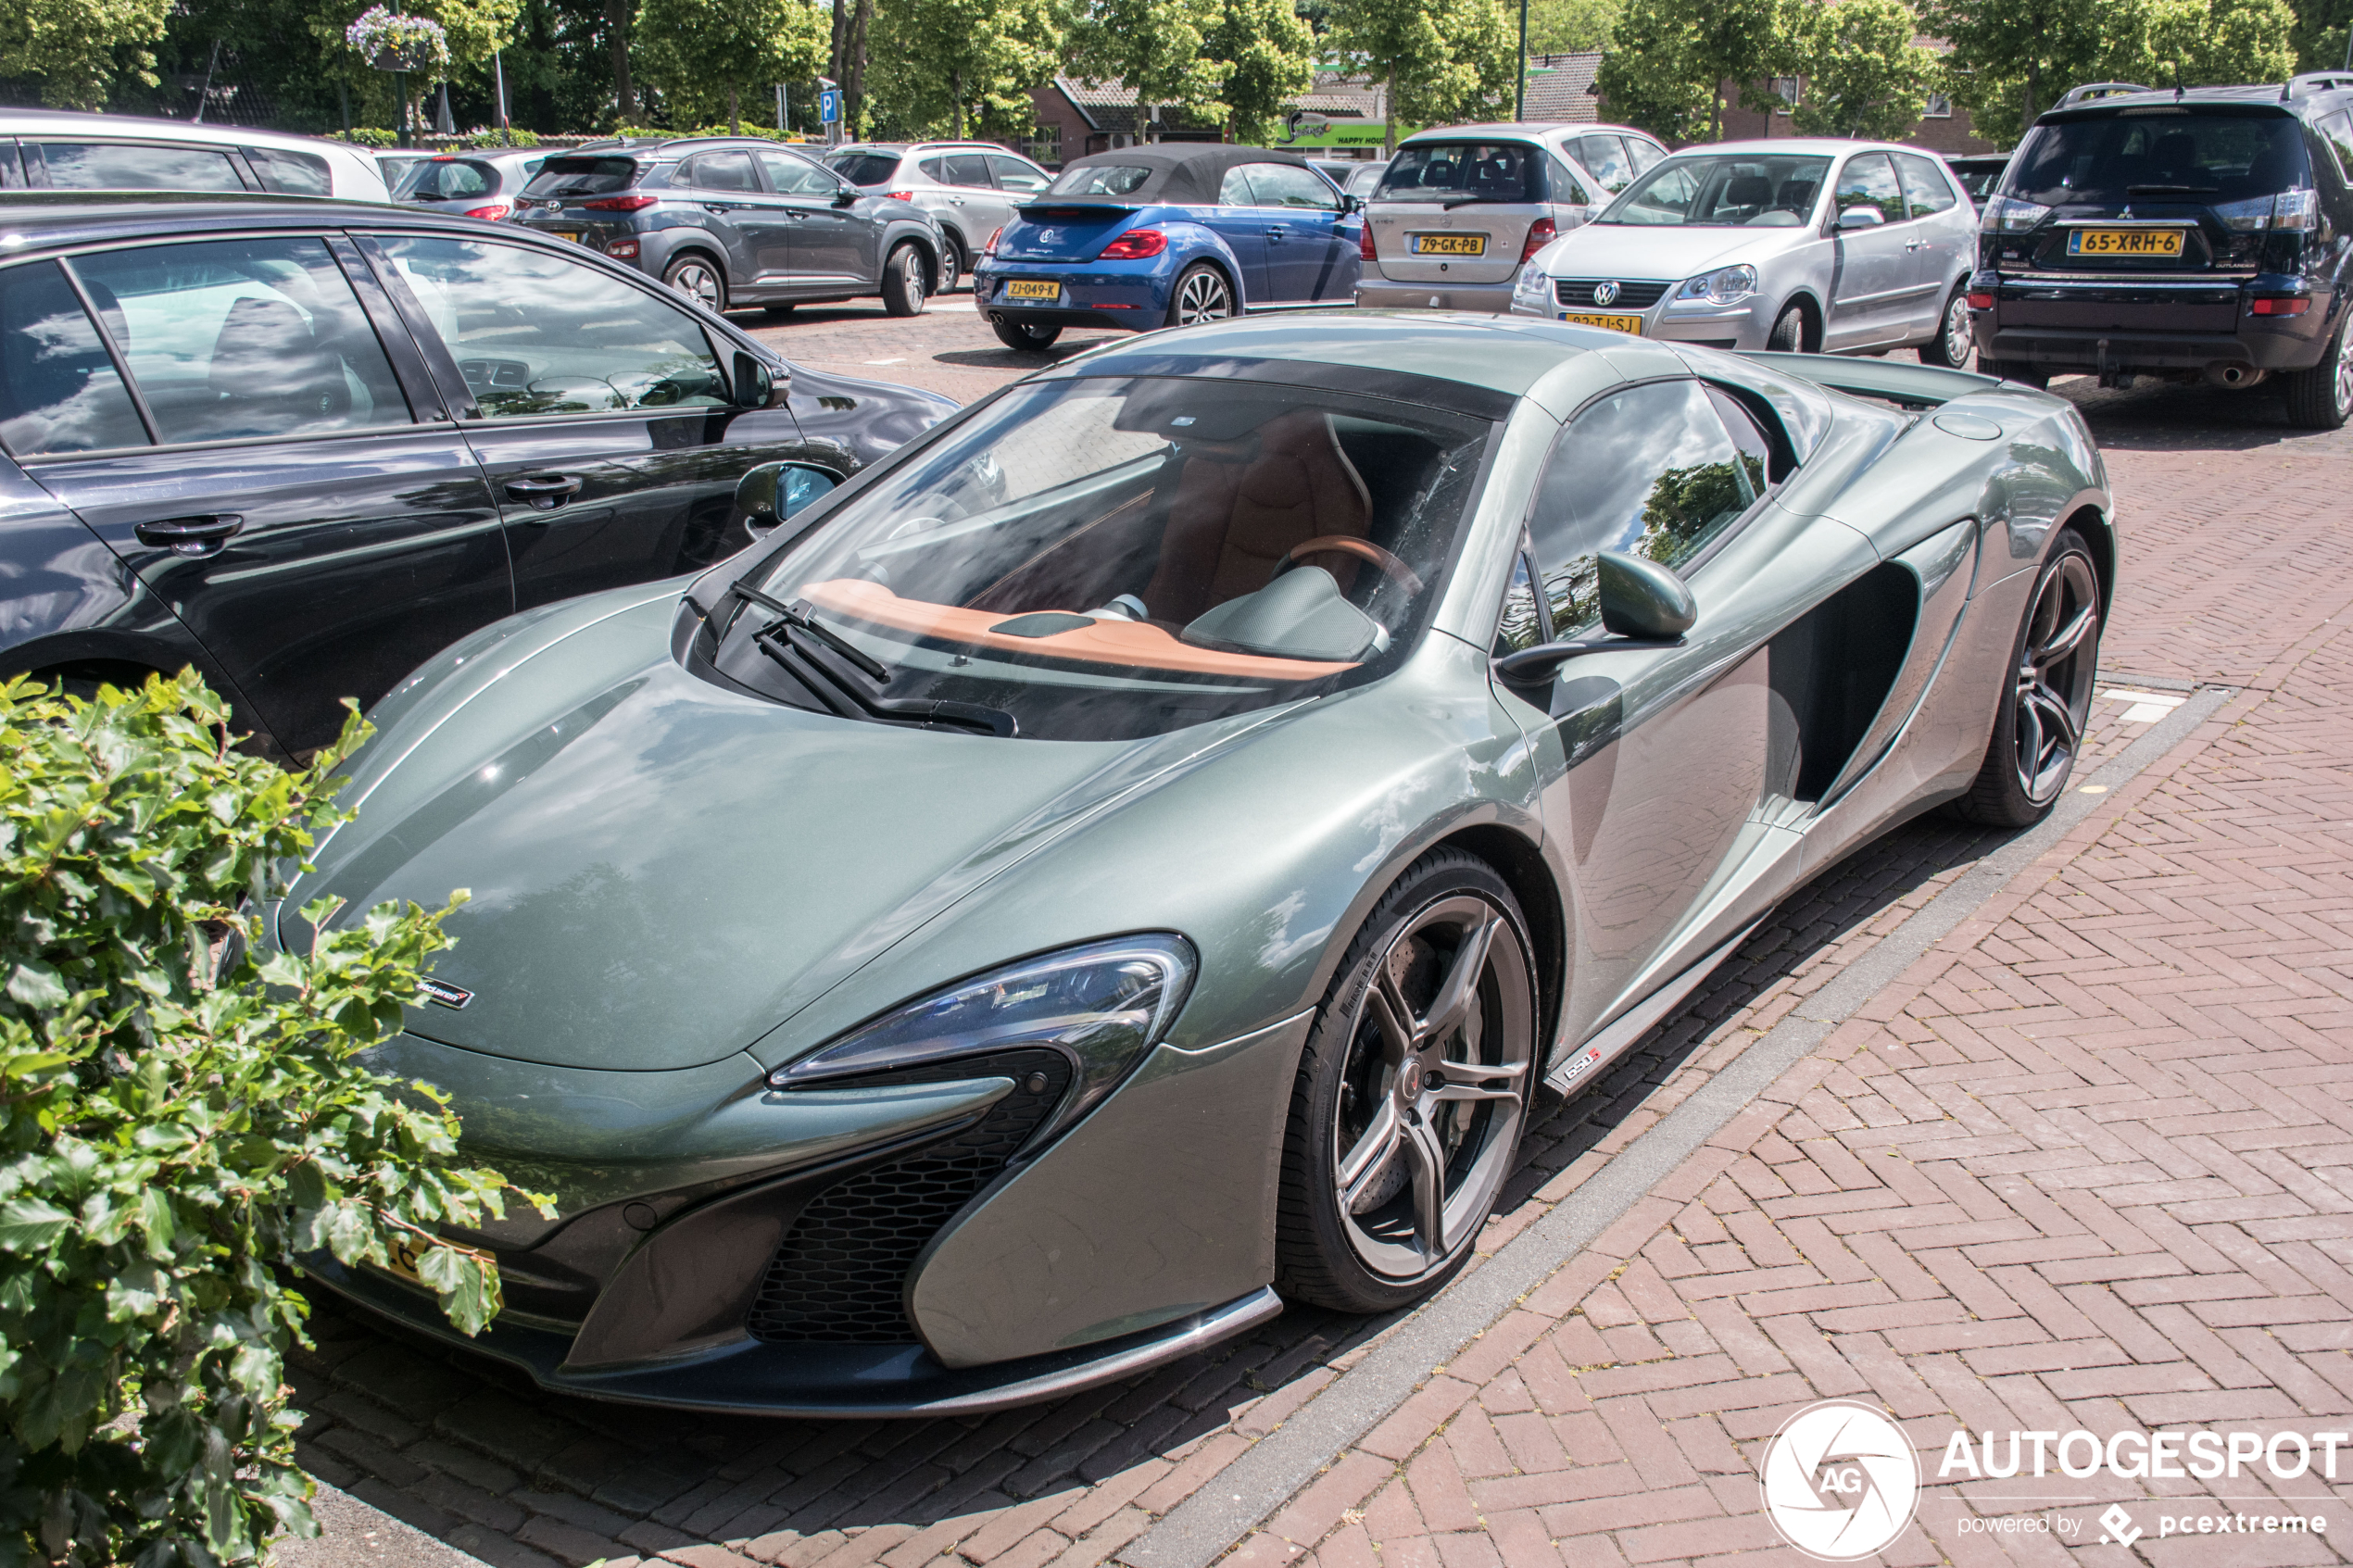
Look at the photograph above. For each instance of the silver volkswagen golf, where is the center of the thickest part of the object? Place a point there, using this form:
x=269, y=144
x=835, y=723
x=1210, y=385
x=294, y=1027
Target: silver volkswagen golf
x=1791, y=243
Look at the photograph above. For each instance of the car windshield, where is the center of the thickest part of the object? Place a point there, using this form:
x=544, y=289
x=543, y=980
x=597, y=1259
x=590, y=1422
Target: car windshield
x=1105, y=558
x=582, y=177
x=1099, y=180
x=2205, y=158
x=1462, y=172
x=864, y=168
x=1723, y=190
x=448, y=178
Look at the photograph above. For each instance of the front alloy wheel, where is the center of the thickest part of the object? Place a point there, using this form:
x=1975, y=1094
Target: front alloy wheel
x=1202, y=294
x=2039, y=731
x=1411, y=1092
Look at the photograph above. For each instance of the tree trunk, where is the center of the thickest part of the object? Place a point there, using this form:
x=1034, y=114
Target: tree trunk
x=1716, y=115
x=734, y=113
x=853, y=73
x=956, y=87
x=617, y=35
x=2033, y=93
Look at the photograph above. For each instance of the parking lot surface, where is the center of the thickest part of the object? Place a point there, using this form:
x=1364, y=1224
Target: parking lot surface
x=2033, y=1134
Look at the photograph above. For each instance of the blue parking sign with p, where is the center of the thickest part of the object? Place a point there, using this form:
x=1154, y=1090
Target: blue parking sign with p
x=829, y=107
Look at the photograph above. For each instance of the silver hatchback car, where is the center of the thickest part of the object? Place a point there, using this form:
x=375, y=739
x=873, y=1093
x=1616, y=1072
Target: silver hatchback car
x=971, y=187
x=1792, y=243
x=1459, y=210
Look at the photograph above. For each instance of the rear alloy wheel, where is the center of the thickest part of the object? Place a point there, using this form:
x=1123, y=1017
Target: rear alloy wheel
x=2321, y=397
x=1951, y=345
x=906, y=279
x=1411, y=1094
x=1021, y=334
x=952, y=265
x=1788, y=335
x=1202, y=294
x=2039, y=729
x=698, y=277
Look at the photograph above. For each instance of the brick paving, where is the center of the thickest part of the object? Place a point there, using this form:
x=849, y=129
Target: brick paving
x=2086, y=1164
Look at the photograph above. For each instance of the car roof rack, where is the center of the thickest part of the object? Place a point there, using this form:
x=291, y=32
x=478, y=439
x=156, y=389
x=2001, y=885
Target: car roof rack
x=2315, y=82
x=2092, y=90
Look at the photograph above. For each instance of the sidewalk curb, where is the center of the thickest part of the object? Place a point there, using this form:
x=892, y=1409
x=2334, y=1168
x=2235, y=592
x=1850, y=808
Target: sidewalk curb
x=1258, y=1481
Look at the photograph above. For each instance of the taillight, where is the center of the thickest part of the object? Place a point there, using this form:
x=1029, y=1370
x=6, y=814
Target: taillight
x=1540, y=234
x=494, y=212
x=899, y=195
x=620, y=204
x=1981, y=301
x=623, y=250
x=990, y=248
x=2279, y=305
x=1364, y=243
x=1134, y=246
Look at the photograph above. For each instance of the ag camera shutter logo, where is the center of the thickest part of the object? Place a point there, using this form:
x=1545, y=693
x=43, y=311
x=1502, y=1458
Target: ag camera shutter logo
x=1839, y=1480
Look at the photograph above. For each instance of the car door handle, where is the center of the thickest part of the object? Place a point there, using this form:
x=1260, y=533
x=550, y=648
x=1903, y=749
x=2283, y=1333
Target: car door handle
x=190, y=536
x=721, y=207
x=545, y=492
x=1276, y=232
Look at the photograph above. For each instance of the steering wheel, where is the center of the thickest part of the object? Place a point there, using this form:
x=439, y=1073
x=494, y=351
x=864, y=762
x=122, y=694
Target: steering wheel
x=1396, y=571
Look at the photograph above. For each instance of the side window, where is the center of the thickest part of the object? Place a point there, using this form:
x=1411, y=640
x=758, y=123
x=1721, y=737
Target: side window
x=1755, y=448
x=797, y=177
x=536, y=334
x=59, y=389
x=1643, y=153
x=1868, y=180
x=1567, y=187
x=1522, y=625
x=1649, y=470
x=1016, y=176
x=238, y=339
x=935, y=168
x=722, y=171
x=2337, y=130
x=1234, y=190
x=1925, y=187
x=11, y=172
x=289, y=174
x=968, y=168
x=1286, y=185
x=106, y=166
x=1606, y=157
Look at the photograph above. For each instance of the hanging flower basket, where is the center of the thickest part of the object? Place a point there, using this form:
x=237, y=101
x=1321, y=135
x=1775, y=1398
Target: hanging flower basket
x=389, y=42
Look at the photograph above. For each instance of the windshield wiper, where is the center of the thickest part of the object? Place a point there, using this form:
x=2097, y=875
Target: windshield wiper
x=783, y=642
x=797, y=616
x=2172, y=190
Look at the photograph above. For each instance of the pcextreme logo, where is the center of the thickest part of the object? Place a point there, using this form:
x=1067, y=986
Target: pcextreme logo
x=1839, y=1480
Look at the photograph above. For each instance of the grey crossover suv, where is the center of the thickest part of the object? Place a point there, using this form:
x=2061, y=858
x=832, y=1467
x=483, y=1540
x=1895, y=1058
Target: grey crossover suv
x=731, y=222
x=970, y=187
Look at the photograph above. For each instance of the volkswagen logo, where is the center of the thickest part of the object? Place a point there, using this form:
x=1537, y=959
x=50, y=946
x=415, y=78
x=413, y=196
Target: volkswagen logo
x=1606, y=293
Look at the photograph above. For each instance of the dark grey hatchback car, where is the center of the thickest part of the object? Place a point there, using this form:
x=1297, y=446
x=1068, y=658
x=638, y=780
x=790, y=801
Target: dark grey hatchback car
x=734, y=221
x=304, y=446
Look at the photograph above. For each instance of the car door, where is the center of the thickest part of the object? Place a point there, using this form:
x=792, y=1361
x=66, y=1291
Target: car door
x=1655, y=756
x=1875, y=275
x=1242, y=225
x=1605, y=157
x=976, y=209
x=834, y=248
x=1944, y=239
x=723, y=183
x=1306, y=258
x=312, y=516
x=596, y=406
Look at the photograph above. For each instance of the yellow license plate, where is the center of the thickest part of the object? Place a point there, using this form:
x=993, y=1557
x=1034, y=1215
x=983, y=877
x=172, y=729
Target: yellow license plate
x=1447, y=244
x=1022, y=288
x=2125, y=242
x=1613, y=323
x=572, y=234
x=401, y=1255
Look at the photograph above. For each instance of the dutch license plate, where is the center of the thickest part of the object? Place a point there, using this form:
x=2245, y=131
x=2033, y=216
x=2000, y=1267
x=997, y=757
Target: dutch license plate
x=1447, y=244
x=2125, y=242
x=1613, y=323
x=401, y=1260
x=1023, y=288
x=572, y=234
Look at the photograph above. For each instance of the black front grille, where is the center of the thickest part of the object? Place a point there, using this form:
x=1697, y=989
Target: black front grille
x=841, y=1273
x=1578, y=293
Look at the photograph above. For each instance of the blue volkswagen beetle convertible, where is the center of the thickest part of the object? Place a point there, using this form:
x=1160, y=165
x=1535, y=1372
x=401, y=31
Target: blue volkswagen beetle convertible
x=1165, y=236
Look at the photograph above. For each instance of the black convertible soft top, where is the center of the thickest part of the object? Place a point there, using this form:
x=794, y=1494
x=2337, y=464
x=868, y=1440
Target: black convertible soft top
x=1181, y=173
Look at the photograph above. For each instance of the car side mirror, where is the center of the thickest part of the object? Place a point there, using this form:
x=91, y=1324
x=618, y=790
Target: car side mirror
x=847, y=196
x=1349, y=204
x=1860, y=218
x=757, y=386
x=773, y=492
x=1642, y=602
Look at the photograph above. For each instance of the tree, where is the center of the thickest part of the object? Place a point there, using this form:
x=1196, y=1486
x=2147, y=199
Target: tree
x=1568, y=27
x=709, y=55
x=79, y=47
x=1668, y=62
x=1270, y=59
x=1441, y=60
x=2200, y=43
x=940, y=63
x=1864, y=75
x=1155, y=47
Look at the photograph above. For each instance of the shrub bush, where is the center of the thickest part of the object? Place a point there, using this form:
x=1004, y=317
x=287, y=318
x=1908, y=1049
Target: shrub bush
x=183, y=1110
x=367, y=136
x=510, y=138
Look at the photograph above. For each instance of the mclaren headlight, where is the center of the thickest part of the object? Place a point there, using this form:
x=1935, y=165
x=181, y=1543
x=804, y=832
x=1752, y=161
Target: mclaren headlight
x=1726, y=285
x=1102, y=1006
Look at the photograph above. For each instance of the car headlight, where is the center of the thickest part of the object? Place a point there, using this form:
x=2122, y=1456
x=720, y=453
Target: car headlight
x=1726, y=285
x=2007, y=215
x=1532, y=283
x=1102, y=1006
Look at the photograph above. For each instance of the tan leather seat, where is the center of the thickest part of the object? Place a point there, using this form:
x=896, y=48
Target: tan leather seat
x=1230, y=523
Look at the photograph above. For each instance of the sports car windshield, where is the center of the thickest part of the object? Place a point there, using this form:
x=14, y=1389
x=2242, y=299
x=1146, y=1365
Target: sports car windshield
x=1723, y=191
x=1105, y=558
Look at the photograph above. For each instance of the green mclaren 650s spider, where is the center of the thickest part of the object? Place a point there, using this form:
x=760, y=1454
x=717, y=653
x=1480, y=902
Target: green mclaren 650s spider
x=1134, y=854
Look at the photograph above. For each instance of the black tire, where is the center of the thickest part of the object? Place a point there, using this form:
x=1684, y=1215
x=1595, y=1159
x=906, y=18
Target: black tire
x=1422, y=1117
x=2018, y=371
x=1952, y=345
x=906, y=279
x=1201, y=294
x=2321, y=397
x=1021, y=334
x=778, y=312
x=2046, y=694
x=699, y=278
x=952, y=265
x=1788, y=335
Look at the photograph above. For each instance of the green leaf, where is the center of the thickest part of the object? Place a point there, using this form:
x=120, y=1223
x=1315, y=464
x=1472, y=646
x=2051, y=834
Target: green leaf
x=27, y=1225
